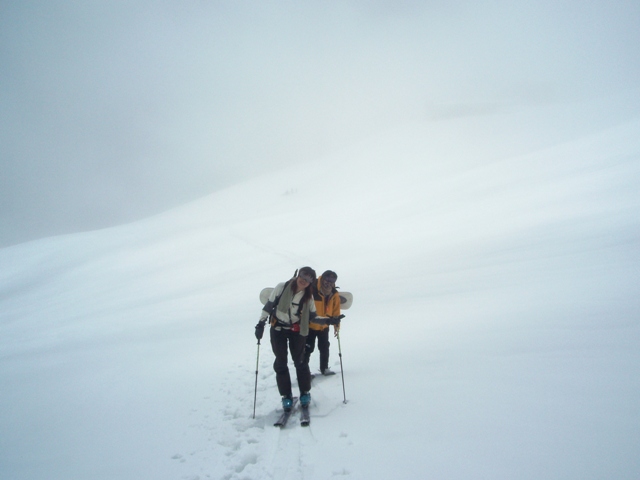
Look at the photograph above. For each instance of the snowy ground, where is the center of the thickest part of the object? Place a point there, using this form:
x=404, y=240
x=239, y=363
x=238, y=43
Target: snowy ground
x=495, y=332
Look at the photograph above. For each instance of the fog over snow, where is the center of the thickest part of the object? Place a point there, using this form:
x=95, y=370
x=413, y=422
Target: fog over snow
x=470, y=171
x=112, y=111
x=495, y=331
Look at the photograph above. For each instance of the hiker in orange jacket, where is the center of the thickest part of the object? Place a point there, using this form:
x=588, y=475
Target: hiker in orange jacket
x=327, y=303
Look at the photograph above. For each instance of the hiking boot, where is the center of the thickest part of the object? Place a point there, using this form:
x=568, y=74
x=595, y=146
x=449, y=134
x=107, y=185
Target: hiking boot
x=287, y=403
x=327, y=371
x=305, y=399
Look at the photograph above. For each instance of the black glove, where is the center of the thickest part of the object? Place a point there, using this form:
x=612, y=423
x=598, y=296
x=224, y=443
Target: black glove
x=335, y=320
x=260, y=329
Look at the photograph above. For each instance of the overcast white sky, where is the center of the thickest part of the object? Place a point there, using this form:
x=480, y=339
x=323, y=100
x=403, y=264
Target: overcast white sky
x=112, y=110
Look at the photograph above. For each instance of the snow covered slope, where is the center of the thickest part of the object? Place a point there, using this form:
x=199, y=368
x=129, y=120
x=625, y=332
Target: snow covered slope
x=495, y=332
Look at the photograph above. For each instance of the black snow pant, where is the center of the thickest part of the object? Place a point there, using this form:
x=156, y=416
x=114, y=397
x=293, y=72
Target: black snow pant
x=323, y=346
x=283, y=341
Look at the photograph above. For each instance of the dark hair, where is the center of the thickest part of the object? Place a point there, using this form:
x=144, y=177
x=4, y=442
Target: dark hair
x=329, y=273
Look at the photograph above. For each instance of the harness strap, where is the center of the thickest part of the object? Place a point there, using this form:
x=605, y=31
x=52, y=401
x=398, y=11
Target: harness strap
x=275, y=321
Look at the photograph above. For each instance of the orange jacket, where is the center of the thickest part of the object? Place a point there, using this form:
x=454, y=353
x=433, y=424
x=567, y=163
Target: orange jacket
x=326, y=306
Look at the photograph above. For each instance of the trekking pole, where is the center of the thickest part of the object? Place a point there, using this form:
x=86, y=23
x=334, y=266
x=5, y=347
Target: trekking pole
x=255, y=392
x=341, y=369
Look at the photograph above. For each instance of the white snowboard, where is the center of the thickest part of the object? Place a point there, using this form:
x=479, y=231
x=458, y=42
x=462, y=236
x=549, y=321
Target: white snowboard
x=346, y=298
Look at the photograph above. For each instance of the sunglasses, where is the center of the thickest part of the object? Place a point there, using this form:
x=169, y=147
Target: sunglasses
x=329, y=279
x=306, y=278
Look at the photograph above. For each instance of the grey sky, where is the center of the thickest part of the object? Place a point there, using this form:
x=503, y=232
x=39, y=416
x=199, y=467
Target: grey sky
x=112, y=111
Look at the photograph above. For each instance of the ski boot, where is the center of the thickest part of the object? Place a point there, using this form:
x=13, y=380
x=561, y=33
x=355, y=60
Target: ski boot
x=287, y=403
